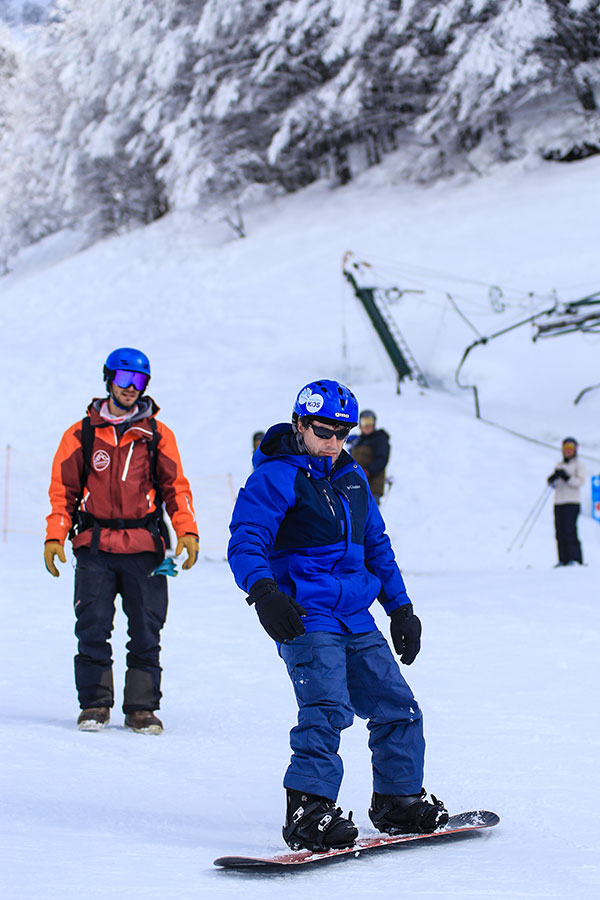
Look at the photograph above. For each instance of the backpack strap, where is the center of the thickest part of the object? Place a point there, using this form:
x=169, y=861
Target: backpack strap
x=87, y=444
x=158, y=526
x=152, y=445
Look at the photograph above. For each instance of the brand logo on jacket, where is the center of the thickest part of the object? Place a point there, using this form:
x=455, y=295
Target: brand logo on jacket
x=100, y=460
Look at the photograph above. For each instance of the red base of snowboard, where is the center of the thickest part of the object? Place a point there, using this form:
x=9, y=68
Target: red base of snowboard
x=461, y=824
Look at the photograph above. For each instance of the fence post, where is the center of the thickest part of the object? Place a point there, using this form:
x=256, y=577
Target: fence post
x=6, y=483
x=231, y=488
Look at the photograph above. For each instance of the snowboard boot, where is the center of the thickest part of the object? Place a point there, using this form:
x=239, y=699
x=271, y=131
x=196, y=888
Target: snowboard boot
x=93, y=719
x=316, y=823
x=144, y=722
x=412, y=814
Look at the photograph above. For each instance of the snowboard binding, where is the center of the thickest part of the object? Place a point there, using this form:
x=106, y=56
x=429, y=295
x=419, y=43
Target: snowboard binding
x=411, y=814
x=316, y=824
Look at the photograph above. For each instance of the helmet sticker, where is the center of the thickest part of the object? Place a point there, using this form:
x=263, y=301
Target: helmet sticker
x=314, y=403
x=304, y=396
x=100, y=460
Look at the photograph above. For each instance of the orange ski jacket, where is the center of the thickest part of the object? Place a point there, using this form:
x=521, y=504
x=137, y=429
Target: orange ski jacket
x=119, y=483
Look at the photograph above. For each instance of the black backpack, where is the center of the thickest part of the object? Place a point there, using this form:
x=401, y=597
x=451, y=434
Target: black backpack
x=154, y=521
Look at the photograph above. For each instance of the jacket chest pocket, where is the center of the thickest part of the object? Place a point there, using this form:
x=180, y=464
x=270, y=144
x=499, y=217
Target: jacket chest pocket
x=133, y=467
x=356, y=497
x=333, y=509
x=127, y=464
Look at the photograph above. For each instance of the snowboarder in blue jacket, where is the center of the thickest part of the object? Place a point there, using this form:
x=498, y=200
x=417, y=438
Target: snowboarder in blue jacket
x=309, y=547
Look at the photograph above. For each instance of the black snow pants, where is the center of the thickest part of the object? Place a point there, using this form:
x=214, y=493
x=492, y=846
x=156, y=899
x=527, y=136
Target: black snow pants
x=99, y=577
x=565, y=526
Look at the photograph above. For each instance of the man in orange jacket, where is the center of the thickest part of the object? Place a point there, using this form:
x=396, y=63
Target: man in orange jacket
x=110, y=476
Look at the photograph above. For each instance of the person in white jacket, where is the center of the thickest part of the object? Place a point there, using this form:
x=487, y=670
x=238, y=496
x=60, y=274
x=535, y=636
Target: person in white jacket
x=567, y=479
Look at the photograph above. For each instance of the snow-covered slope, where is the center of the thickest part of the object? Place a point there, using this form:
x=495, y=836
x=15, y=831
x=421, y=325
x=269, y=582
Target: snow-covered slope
x=233, y=328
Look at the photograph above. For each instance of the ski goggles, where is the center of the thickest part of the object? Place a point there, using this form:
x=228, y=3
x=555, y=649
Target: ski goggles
x=124, y=379
x=327, y=433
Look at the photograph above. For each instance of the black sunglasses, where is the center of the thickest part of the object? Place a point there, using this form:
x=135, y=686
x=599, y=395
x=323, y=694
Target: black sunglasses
x=326, y=433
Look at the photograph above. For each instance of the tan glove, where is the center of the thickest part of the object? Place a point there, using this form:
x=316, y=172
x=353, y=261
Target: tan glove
x=52, y=549
x=190, y=543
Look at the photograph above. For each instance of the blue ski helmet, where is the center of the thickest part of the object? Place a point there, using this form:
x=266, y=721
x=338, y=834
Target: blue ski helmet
x=328, y=400
x=127, y=359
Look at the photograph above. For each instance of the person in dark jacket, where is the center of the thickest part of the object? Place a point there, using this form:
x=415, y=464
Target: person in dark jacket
x=371, y=450
x=256, y=439
x=308, y=545
x=111, y=507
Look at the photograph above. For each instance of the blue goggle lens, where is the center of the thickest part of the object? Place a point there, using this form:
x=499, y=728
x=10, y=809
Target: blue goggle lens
x=125, y=379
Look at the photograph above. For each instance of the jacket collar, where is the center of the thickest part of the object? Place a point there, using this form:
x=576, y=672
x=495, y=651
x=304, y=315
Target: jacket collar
x=280, y=442
x=147, y=409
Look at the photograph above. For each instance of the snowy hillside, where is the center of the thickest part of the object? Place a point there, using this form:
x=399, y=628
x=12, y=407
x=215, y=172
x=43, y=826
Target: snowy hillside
x=233, y=328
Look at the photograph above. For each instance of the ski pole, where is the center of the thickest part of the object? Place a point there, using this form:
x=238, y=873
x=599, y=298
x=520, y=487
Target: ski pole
x=389, y=482
x=534, y=520
x=532, y=515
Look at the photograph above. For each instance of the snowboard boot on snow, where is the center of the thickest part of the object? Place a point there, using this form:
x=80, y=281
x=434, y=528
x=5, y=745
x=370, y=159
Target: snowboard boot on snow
x=316, y=823
x=412, y=814
x=144, y=722
x=93, y=719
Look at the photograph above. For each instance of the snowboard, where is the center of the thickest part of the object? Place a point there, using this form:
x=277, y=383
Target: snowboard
x=461, y=824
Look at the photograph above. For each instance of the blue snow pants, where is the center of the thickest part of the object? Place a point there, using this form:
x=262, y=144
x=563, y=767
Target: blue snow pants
x=336, y=676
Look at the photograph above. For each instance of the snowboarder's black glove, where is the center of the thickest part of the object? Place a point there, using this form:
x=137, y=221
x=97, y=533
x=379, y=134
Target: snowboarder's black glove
x=552, y=478
x=560, y=473
x=279, y=613
x=405, y=629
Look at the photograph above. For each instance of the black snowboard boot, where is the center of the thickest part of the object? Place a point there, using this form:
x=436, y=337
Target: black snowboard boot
x=412, y=814
x=316, y=823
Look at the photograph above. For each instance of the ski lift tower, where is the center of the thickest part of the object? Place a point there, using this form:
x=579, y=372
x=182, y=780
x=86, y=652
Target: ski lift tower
x=395, y=345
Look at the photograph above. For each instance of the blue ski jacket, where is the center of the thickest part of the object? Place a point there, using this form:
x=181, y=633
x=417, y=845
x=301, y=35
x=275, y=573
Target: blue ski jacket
x=315, y=528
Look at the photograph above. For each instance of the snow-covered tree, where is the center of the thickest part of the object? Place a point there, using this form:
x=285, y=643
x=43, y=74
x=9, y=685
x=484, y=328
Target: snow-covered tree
x=131, y=107
x=31, y=204
x=28, y=12
x=510, y=65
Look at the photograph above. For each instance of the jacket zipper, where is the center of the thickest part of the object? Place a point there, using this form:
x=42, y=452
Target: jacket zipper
x=127, y=461
x=341, y=519
x=328, y=498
